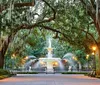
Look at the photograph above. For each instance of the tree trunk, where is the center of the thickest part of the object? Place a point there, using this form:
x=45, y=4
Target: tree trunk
x=98, y=60
x=4, y=49
x=1, y=60
x=97, y=25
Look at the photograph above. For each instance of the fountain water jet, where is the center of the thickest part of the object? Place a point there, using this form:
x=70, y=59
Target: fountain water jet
x=72, y=61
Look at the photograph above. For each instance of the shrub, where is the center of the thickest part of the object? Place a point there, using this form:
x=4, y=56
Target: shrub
x=98, y=72
x=3, y=76
x=27, y=72
x=4, y=72
x=74, y=72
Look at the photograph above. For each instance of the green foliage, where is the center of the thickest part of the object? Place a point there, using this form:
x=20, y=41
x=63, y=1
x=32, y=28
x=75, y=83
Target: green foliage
x=4, y=72
x=27, y=72
x=74, y=24
x=71, y=20
x=13, y=62
x=3, y=76
x=81, y=56
x=75, y=73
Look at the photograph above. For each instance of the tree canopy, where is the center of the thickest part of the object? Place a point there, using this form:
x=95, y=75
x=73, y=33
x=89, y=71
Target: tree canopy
x=24, y=25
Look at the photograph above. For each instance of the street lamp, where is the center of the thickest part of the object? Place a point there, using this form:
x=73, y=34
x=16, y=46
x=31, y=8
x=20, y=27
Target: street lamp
x=94, y=49
x=87, y=57
x=26, y=58
x=13, y=56
x=74, y=58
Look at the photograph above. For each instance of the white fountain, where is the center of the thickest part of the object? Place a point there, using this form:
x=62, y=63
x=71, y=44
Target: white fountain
x=50, y=62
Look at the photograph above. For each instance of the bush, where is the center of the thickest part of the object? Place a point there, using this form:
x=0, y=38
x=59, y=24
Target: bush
x=4, y=74
x=98, y=72
x=27, y=72
x=74, y=73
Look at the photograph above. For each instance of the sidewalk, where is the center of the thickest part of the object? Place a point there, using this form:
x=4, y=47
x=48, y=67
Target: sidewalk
x=50, y=79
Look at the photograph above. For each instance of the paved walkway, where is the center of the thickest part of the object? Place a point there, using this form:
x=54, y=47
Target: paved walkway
x=50, y=79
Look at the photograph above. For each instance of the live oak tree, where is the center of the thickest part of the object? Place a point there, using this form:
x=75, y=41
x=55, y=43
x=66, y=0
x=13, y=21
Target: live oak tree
x=17, y=15
x=92, y=8
x=72, y=23
x=75, y=25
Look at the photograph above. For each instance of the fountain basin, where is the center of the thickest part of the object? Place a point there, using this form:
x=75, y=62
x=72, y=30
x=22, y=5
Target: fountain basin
x=50, y=63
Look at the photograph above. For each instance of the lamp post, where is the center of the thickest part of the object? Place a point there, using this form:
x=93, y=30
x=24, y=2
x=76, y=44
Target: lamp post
x=94, y=49
x=13, y=57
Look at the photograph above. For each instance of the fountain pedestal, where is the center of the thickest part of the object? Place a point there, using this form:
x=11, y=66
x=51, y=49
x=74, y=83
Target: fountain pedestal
x=50, y=63
x=49, y=67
